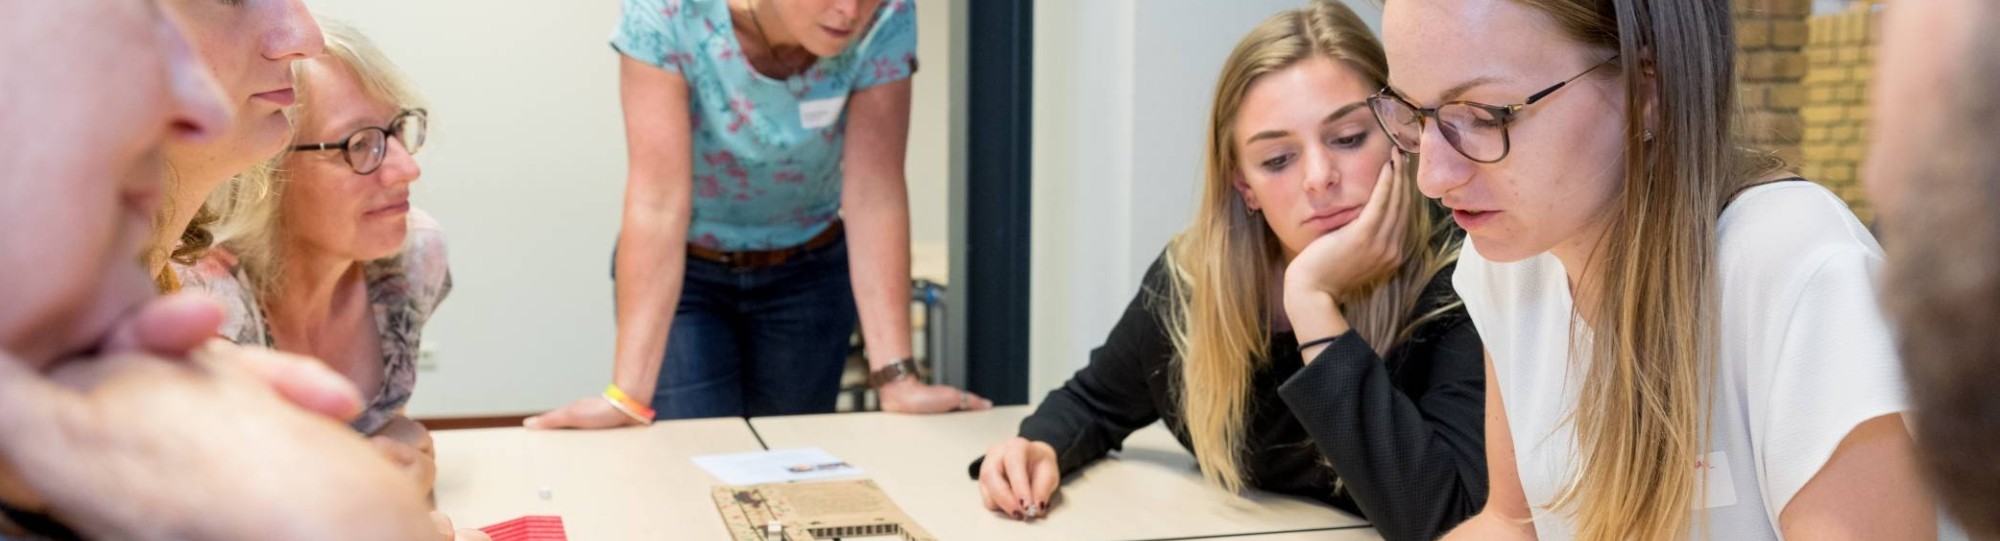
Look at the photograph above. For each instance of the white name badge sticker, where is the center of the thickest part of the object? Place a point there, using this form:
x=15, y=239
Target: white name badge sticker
x=818, y=114
x=1716, y=480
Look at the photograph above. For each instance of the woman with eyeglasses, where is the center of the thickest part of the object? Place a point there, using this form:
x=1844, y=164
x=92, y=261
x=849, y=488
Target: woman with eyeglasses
x=1683, y=339
x=766, y=212
x=331, y=261
x=1301, y=336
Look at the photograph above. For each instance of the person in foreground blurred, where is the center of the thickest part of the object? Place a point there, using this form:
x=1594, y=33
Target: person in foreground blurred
x=115, y=425
x=1935, y=178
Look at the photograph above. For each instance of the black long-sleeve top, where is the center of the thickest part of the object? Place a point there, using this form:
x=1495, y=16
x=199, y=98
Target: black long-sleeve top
x=1401, y=442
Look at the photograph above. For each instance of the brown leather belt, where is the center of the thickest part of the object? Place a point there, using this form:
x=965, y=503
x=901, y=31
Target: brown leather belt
x=768, y=258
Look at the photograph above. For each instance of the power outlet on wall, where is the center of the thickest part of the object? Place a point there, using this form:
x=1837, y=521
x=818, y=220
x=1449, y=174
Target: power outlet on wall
x=427, y=357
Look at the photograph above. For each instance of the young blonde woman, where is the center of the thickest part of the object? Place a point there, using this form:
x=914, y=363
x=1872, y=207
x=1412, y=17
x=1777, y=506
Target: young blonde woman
x=1300, y=336
x=1684, y=339
x=249, y=47
x=330, y=260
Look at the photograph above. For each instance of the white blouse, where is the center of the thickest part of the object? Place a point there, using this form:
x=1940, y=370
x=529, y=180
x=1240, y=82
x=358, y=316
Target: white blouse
x=1804, y=356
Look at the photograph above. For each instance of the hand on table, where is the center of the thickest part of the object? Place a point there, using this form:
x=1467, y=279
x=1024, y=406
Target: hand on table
x=1019, y=477
x=911, y=396
x=587, y=413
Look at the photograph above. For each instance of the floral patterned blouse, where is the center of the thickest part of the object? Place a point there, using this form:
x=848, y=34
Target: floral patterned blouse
x=766, y=152
x=404, y=289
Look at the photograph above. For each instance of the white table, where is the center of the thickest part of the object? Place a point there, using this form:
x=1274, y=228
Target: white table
x=624, y=484
x=1150, y=491
x=1351, y=534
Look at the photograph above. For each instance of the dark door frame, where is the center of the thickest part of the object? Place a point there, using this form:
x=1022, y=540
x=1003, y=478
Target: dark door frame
x=1000, y=84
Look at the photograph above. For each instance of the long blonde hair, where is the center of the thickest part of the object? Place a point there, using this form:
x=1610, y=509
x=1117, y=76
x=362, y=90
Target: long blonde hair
x=252, y=206
x=1224, y=263
x=1642, y=416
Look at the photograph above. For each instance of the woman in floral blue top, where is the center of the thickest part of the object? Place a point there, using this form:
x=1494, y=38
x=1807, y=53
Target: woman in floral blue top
x=761, y=133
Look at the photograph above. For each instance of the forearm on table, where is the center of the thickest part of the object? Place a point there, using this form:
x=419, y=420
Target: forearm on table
x=1083, y=422
x=877, y=214
x=1075, y=442
x=1417, y=466
x=651, y=263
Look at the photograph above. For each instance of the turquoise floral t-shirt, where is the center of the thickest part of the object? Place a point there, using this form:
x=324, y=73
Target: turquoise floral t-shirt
x=766, y=152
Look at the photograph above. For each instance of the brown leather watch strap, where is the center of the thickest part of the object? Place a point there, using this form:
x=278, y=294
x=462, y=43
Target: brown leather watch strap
x=907, y=367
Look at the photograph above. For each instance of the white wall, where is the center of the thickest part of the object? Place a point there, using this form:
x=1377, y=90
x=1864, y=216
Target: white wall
x=526, y=173
x=1122, y=88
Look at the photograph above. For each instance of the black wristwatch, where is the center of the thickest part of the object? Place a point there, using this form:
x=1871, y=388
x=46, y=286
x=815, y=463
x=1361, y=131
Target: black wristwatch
x=905, y=368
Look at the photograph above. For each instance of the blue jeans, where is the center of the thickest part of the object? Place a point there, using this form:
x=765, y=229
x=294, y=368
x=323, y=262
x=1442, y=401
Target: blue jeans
x=759, y=342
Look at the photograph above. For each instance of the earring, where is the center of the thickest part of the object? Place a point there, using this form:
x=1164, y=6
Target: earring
x=1649, y=135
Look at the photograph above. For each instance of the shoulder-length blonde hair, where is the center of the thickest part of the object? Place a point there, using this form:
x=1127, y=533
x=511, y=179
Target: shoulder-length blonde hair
x=1223, y=265
x=1642, y=416
x=251, y=207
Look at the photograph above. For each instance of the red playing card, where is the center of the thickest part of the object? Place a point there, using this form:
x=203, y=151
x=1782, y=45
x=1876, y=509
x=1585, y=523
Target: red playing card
x=534, y=528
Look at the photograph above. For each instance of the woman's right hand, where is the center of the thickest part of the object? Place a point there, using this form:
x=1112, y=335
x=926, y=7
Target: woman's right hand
x=1019, y=477
x=588, y=413
x=1364, y=251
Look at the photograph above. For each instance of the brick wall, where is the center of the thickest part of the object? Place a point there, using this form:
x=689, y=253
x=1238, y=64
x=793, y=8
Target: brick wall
x=1841, y=54
x=1771, y=36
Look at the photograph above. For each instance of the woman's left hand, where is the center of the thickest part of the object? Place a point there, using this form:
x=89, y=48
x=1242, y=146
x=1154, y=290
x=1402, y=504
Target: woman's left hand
x=911, y=396
x=1360, y=253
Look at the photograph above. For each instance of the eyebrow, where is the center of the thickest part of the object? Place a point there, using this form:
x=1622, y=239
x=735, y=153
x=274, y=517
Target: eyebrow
x=1343, y=111
x=1459, y=91
x=1338, y=114
x=1456, y=91
x=353, y=123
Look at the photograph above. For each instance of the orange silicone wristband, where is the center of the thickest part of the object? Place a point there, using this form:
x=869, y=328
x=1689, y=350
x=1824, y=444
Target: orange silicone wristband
x=618, y=397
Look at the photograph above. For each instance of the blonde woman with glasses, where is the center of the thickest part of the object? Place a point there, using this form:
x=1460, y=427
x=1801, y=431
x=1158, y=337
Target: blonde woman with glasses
x=330, y=260
x=1683, y=338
